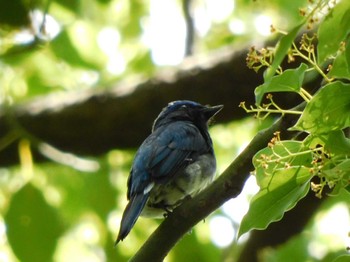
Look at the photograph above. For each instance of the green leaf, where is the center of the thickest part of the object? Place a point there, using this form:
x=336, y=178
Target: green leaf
x=333, y=30
x=347, y=189
x=289, y=81
x=340, y=174
x=342, y=169
x=270, y=159
x=73, y=5
x=286, y=252
x=282, y=172
x=281, y=51
x=286, y=187
x=341, y=64
x=63, y=48
x=327, y=111
x=14, y=13
x=92, y=188
x=33, y=226
x=343, y=258
x=206, y=252
x=337, y=143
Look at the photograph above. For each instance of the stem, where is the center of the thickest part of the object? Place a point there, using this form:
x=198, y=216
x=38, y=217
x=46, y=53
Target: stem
x=306, y=93
x=312, y=62
x=272, y=111
x=8, y=139
x=291, y=155
x=279, y=110
x=320, y=5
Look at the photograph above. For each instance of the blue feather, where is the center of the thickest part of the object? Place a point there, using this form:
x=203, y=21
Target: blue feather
x=130, y=215
x=176, y=160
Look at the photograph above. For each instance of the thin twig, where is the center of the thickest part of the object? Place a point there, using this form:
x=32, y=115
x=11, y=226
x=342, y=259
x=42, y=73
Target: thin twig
x=189, y=27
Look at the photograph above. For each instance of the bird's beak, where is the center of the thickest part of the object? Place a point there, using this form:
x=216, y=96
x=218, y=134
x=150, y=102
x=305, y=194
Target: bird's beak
x=210, y=111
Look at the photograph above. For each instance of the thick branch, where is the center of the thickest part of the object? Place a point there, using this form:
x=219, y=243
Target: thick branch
x=228, y=185
x=94, y=122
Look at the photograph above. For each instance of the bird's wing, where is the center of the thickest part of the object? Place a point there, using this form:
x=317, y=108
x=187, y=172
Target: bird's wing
x=174, y=149
x=164, y=153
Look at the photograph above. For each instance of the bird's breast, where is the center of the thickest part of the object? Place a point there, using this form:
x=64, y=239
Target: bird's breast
x=187, y=182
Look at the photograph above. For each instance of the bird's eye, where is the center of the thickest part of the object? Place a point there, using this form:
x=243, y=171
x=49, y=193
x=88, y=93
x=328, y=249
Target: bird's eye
x=183, y=106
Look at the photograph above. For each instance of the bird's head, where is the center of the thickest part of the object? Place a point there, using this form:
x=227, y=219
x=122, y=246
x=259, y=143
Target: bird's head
x=185, y=110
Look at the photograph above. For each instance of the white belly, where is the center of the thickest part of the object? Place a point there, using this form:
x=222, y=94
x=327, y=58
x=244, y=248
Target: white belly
x=195, y=177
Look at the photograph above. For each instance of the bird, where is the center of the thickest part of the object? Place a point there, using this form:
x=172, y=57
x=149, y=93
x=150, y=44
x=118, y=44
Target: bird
x=174, y=162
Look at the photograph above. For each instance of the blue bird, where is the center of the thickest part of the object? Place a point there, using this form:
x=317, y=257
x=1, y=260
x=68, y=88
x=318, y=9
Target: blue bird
x=175, y=161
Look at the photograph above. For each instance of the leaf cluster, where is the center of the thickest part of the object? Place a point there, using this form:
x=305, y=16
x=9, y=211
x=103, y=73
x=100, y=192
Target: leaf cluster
x=287, y=169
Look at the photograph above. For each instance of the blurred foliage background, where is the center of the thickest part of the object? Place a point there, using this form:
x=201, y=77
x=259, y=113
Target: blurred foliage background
x=54, y=212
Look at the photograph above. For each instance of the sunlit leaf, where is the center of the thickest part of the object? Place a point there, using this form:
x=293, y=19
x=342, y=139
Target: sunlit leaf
x=341, y=174
x=343, y=168
x=328, y=110
x=285, y=189
x=340, y=67
x=65, y=50
x=281, y=51
x=33, y=226
x=289, y=81
x=278, y=157
x=333, y=30
x=72, y=5
x=347, y=189
x=189, y=250
x=95, y=191
x=286, y=252
x=343, y=258
x=337, y=143
x=104, y=1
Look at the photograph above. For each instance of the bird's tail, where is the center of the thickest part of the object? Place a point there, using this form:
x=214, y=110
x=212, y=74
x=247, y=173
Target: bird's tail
x=130, y=215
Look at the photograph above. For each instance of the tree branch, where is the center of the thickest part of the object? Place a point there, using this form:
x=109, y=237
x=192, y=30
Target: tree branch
x=90, y=123
x=190, y=33
x=228, y=185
